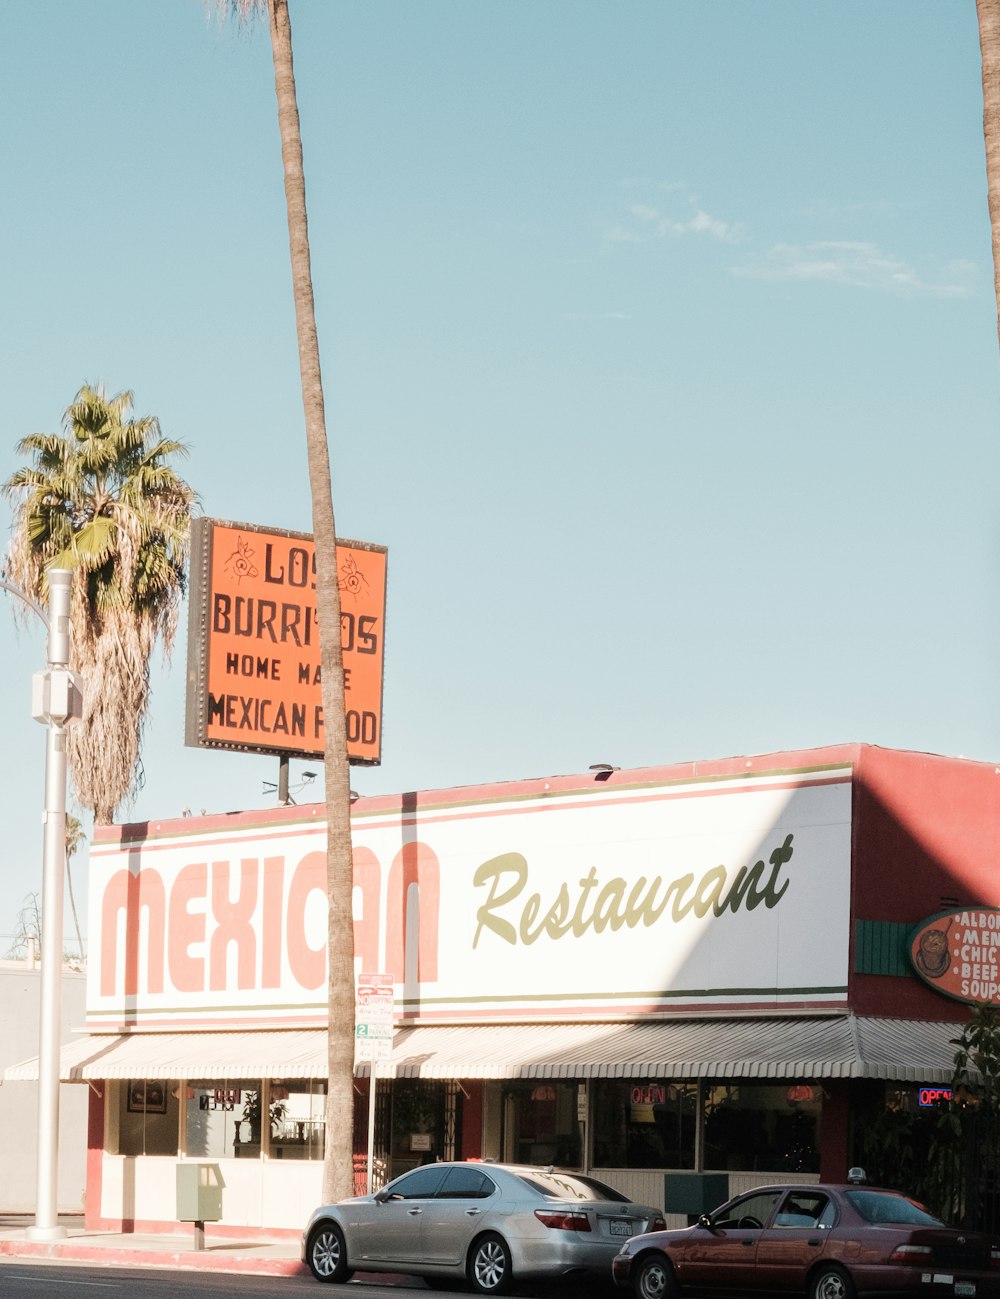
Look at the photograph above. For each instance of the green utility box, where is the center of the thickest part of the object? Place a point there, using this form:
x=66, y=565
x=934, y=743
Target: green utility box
x=694, y=1193
x=199, y=1192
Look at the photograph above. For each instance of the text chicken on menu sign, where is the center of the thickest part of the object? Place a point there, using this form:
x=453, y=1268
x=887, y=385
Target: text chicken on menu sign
x=254, y=674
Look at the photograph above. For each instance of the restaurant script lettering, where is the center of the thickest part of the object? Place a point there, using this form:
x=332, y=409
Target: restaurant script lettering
x=515, y=914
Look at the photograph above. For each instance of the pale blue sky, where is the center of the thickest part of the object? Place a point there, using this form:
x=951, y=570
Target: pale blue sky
x=659, y=343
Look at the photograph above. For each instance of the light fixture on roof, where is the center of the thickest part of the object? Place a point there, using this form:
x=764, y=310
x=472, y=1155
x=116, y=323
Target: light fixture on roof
x=603, y=770
x=285, y=792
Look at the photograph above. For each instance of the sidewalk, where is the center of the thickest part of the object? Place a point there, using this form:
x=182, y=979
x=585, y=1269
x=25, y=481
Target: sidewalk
x=265, y=1257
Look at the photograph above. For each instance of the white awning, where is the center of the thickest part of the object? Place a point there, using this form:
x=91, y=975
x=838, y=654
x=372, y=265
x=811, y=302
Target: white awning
x=275, y=1053
x=837, y=1046
x=842, y=1046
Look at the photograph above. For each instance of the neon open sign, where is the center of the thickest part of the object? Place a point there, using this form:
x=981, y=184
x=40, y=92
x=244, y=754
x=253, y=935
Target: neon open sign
x=932, y=1095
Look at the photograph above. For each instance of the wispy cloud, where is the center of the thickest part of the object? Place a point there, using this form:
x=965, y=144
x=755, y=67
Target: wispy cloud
x=645, y=223
x=858, y=264
x=673, y=211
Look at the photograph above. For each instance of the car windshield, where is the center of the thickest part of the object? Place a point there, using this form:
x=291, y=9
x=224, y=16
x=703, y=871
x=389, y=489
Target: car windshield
x=570, y=1186
x=882, y=1206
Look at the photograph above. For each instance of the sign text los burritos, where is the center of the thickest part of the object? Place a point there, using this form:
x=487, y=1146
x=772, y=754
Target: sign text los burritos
x=254, y=673
x=735, y=894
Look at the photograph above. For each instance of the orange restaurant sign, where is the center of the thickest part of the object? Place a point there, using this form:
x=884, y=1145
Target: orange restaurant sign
x=254, y=680
x=958, y=953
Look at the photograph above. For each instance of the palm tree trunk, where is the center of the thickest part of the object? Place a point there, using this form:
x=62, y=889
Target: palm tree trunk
x=989, y=45
x=338, y=1180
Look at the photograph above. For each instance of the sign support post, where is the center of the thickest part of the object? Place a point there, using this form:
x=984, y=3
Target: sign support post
x=372, y=1042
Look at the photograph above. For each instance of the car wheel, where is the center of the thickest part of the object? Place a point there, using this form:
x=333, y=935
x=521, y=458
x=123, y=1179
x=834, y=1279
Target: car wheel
x=654, y=1279
x=327, y=1254
x=490, y=1269
x=831, y=1283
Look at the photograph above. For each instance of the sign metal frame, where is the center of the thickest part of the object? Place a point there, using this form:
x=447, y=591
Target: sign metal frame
x=253, y=663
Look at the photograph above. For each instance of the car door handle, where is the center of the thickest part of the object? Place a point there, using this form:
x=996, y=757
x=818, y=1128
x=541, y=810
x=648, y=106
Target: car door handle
x=413, y=1212
x=748, y=1244
x=815, y=1241
x=471, y=1213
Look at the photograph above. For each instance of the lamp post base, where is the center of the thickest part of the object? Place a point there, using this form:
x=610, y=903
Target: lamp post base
x=45, y=1234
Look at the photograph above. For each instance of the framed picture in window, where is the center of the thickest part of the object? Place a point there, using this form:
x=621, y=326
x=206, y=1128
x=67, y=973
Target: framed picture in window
x=146, y=1097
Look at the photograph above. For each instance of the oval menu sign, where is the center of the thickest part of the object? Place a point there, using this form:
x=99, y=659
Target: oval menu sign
x=956, y=952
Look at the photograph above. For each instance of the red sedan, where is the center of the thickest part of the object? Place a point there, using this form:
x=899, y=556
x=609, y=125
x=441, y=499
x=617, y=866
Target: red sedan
x=827, y=1242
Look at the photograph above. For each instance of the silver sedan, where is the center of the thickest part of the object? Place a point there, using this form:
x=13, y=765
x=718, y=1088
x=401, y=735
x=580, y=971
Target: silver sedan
x=483, y=1224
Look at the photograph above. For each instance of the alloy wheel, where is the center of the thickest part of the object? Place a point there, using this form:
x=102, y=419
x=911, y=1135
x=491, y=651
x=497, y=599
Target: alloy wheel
x=490, y=1270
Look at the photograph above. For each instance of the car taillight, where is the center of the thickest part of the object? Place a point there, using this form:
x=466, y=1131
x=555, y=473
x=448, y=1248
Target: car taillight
x=995, y=1256
x=912, y=1254
x=657, y=1224
x=563, y=1221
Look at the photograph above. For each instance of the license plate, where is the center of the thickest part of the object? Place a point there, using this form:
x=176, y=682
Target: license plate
x=965, y=1288
x=622, y=1227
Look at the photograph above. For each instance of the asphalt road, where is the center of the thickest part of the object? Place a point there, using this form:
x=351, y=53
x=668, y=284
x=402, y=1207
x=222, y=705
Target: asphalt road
x=22, y=1280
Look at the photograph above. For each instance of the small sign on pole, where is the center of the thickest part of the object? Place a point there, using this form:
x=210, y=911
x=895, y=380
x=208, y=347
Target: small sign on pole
x=373, y=1040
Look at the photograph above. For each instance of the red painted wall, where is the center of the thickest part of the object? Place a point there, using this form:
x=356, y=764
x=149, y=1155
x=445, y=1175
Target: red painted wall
x=926, y=835
x=472, y=1120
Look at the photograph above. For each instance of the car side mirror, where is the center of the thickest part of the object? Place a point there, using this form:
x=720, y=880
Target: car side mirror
x=381, y=1196
x=705, y=1221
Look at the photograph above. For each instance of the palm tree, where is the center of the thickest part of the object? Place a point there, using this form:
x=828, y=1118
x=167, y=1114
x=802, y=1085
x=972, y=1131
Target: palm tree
x=989, y=45
x=102, y=500
x=338, y=1177
x=74, y=837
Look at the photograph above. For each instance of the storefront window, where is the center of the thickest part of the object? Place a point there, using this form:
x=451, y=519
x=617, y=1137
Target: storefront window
x=147, y=1116
x=644, y=1124
x=541, y=1125
x=222, y=1120
x=298, y=1122
x=752, y=1127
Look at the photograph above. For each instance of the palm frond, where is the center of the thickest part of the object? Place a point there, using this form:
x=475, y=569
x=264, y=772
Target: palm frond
x=102, y=500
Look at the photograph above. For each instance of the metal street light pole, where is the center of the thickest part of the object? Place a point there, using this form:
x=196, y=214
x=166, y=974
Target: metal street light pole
x=55, y=701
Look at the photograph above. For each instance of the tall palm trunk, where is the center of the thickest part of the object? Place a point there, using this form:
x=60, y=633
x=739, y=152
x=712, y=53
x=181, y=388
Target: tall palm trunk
x=337, y=1171
x=989, y=44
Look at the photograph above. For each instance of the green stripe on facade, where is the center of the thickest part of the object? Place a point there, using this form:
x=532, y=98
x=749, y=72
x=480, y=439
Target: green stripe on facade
x=880, y=947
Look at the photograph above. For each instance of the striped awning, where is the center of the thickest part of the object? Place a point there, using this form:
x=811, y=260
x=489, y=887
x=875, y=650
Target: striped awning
x=277, y=1053
x=836, y=1046
x=827, y=1047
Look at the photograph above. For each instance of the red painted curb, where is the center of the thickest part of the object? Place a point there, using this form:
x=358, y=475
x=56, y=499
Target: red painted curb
x=122, y=1256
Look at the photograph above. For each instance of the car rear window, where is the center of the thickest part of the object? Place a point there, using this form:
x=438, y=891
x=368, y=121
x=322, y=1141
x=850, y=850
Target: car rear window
x=881, y=1206
x=463, y=1183
x=570, y=1186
